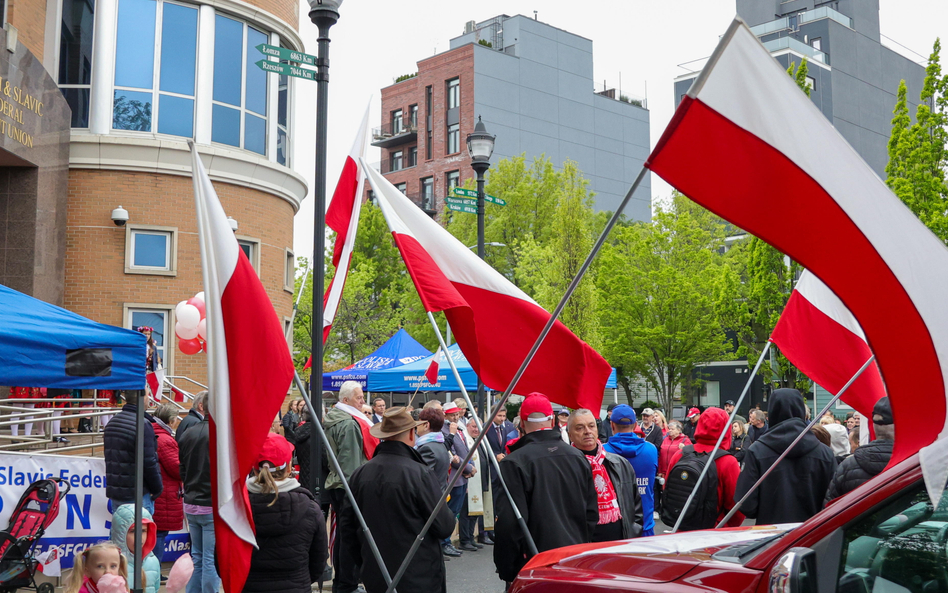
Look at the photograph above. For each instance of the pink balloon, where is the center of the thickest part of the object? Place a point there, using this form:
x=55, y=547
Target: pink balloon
x=192, y=346
x=188, y=315
x=202, y=329
x=186, y=333
x=198, y=304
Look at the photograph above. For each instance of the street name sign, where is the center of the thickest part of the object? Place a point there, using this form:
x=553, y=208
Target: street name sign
x=288, y=69
x=286, y=54
x=472, y=193
x=460, y=201
x=460, y=208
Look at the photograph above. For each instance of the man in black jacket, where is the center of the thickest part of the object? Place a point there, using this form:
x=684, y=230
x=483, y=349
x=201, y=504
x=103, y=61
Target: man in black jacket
x=195, y=415
x=552, y=485
x=119, y=445
x=496, y=439
x=194, y=455
x=868, y=460
x=615, y=481
x=794, y=491
x=758, y=425
x=396, y=492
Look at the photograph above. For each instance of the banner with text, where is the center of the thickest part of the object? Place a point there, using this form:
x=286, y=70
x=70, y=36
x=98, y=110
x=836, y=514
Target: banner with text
x=85, y=515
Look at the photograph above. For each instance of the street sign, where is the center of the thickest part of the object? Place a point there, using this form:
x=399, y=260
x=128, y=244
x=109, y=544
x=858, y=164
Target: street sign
x=472, y=193
x=286, y=54
x=458, y=208
x=460, y=201
x=288, y=69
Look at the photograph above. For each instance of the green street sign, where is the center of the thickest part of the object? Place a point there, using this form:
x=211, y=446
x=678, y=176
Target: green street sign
x=460, y=201
x=472, y=193
x=286, y=54
x=458, y=208
x=288, y=69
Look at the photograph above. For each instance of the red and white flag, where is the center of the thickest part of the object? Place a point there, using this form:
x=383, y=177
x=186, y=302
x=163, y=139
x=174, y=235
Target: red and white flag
x=249, y=372
x=819, y=335
x=156, y=380
x=495, y=323
x=748, y=145
x=431, y=373
x=342, y=216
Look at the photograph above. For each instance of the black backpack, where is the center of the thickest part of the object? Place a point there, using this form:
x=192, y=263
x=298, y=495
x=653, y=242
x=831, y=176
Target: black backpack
x=680, y=482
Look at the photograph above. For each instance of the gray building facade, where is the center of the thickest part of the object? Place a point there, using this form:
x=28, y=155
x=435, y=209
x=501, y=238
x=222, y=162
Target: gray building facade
x=853, y=77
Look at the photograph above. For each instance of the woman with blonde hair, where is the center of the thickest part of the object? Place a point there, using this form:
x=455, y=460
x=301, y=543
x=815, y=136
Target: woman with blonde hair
x=659, y=419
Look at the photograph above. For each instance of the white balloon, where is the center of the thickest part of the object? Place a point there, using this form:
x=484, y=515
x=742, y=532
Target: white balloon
x=202, y=329
x=188, y=316
x=185, y=333
x=200, y=296
x=177, y=308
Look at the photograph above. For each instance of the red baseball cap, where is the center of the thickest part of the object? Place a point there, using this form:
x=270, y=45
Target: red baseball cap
x=693, y=412
x=277, y=450
x=536, y=405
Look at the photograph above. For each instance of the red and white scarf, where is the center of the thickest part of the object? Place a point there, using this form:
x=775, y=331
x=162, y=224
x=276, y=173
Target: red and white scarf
x=608, y=503
x=369, y=442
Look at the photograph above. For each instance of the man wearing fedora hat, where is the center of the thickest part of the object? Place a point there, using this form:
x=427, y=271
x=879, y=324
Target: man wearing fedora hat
x=397, y=492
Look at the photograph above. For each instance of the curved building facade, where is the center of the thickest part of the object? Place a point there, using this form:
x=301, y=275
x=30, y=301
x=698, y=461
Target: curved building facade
x=141, y=78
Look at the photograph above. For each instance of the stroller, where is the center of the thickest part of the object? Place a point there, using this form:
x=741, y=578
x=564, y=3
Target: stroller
x=36, y=510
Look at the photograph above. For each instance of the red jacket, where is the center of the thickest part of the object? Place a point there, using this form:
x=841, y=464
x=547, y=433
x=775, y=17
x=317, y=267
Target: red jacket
x=669, y=448
x=169, y=507
x=709, y=428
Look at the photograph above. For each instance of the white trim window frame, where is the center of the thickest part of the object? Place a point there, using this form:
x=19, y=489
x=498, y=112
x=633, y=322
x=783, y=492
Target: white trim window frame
x=168, y=339
x=254, y=248
x=171, y=249
x=289, y=271
x=155, y=123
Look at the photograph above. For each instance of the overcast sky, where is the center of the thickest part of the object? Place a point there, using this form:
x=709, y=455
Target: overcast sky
x=643, y=40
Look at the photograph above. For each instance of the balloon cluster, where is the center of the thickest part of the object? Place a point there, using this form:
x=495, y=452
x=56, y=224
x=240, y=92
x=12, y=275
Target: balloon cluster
x=191, y=327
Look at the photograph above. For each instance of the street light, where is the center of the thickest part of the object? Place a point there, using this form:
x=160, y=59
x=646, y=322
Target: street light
x=323, y=14
x=480, y=145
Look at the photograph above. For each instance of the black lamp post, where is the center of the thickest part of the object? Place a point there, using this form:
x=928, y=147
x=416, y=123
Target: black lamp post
x=480, y=145
x=324, y=14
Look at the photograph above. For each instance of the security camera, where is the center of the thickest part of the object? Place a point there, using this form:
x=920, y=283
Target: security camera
x=120, y=216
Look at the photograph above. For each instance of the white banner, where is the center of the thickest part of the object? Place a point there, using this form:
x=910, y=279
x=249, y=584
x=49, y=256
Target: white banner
x=84, y=515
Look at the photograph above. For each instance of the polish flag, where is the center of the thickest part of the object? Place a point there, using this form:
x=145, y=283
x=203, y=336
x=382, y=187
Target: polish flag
x=431, y=373
x=155, y=380
x=249, y=372
x=748, y=145
x=495, y=323
x=819, y=335
x=342, y=216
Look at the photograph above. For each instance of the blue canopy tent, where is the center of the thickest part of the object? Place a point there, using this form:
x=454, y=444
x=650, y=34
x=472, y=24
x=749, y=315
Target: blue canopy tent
x=42, y=345
x=411, y=377
x=400, y=349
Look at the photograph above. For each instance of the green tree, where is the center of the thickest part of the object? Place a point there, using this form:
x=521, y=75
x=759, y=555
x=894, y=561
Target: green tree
x=661, y=287
x=918, y=153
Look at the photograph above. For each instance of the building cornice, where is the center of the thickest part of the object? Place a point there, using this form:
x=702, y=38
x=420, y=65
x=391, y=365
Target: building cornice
x=172, y=157
x=287, y=33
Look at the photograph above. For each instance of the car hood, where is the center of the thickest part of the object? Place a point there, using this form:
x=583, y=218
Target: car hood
x=660, y=558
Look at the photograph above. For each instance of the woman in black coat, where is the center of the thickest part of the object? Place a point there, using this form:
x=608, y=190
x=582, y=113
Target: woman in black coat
x=740, y=441
x=290, y=528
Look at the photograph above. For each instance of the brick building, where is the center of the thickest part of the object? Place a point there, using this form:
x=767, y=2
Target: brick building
x=533, y=86
x=122, y=86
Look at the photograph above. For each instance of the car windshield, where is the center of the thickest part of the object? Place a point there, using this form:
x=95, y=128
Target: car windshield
x=744, y=551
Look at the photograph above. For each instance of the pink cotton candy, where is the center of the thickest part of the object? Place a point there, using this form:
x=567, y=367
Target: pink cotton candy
x=180, y=574
x=112, y=583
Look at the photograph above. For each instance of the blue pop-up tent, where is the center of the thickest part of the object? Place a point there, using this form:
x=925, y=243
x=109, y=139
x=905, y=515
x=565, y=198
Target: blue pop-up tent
x=411, y=377
x=400, y=349
x=42, y=345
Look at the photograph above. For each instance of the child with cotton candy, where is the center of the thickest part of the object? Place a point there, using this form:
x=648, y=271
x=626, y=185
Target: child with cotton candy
x=99, y=569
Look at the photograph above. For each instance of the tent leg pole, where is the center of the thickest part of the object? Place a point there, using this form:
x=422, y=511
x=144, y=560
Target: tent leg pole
x=139, y=490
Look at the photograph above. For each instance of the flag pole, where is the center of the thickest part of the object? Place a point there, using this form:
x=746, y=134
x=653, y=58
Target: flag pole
x=717, y=445
x=523, y=367
x=800, y=436
x=484, y=447
x=342, y=477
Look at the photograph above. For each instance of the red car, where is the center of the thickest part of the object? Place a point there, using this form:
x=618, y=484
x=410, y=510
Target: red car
x=884, y=537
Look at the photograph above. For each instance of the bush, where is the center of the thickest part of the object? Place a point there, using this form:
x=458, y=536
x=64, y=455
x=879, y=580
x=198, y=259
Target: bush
x=405, y=77
x=486, y=43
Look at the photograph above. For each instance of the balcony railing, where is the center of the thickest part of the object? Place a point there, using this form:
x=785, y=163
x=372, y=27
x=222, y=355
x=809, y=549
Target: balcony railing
x=809, y=16
x=394, y=133
x=797, y=46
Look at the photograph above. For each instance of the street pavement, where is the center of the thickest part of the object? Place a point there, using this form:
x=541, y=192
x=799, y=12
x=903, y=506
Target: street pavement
x=474, y=572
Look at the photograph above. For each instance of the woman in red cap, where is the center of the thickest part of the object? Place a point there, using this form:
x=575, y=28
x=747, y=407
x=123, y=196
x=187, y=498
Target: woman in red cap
x=292, y=545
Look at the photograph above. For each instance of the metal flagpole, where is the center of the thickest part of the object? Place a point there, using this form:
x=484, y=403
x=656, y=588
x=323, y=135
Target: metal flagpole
x=800, y=436
x=137, y=585
x=523, y=367
x=342, y=477
x=724, y=432
x=484, y=447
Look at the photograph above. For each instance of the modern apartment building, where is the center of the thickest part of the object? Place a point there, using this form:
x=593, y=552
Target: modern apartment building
x=532, y=84
x=104, y=95
x=853, y=77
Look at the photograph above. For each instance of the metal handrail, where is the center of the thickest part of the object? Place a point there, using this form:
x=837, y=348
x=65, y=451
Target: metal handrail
x=201, y=385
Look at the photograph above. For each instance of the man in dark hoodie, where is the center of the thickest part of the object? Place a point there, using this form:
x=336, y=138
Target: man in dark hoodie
x=868, y=460
x=794, y=491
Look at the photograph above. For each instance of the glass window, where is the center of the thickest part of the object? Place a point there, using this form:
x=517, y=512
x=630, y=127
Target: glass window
x=413, y=111
x=817, y=44
x=178, y=49
x=135, y=43
x=454, y=138
x=427, y=193
x=157, y=319
x=151, y=249
x=132, y=111
x=454, y=93
x=412, y=156
x=289, y=274
x=899, y=547
x=452, y=179
x=396, y=160
x=240, y=84
x=428, y=134
x=251, y=249
x=283, y=136
x=177, y=116
x=401, y=187
x=75, y=57
x=397, y=121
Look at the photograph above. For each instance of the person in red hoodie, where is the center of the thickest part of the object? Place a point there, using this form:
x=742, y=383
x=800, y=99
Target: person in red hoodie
x=169, y=506
x=710, y=425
